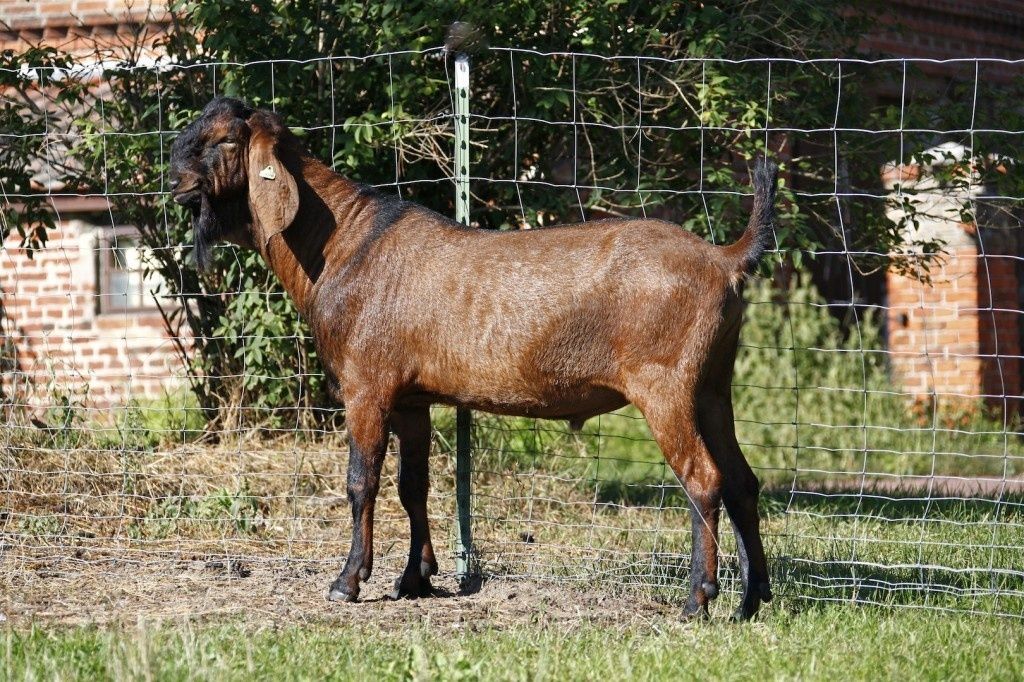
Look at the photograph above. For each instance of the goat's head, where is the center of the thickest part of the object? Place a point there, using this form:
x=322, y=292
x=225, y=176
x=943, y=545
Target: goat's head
x=226, y=167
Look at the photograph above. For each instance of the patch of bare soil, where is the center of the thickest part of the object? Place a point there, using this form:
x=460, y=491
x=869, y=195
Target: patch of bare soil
x=262, y=594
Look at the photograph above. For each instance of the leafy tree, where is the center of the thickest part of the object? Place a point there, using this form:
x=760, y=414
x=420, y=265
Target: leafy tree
x=33, y=120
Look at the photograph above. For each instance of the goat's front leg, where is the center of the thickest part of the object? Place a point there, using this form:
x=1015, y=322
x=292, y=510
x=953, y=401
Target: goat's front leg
x=367, y=425
x=412, y=426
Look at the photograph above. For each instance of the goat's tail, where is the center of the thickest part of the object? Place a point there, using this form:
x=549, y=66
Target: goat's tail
x=749, y=248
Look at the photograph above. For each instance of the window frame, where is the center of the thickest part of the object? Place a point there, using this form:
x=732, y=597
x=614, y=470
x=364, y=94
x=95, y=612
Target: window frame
x=104, y=249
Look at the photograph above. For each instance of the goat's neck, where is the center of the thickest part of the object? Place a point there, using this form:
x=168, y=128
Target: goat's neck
x=329, y=227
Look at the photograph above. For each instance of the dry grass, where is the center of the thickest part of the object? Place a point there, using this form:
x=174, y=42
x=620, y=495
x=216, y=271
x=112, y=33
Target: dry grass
x=107, y=531
x=242, y=528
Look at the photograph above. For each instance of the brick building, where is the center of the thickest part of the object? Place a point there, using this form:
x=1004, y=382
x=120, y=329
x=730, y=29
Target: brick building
x=958, y=338
x=79, y=26
x=80, y=321
x=77, y=321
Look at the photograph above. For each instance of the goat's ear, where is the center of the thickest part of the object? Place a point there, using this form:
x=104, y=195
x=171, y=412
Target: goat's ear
x=273, y=195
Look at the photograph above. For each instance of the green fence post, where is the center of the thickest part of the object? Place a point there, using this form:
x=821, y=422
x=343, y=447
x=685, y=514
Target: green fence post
x=465, y=565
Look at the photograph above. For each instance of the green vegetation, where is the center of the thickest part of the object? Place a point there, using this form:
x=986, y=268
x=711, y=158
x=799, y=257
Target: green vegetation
x=820, y=643
x=140, y=425
x=222, y=511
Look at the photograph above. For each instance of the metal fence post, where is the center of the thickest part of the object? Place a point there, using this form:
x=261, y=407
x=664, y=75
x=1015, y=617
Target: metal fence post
x=465, y=565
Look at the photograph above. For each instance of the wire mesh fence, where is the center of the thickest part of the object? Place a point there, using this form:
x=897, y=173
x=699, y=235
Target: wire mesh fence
x=155, y=418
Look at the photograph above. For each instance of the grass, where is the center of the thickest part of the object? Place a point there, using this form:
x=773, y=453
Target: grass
x=819, y=643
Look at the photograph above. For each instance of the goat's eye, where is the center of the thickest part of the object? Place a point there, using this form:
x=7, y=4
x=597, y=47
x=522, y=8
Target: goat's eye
x=227, y=144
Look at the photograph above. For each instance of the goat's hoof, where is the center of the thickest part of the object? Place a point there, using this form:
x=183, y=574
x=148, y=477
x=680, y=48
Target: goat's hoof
x=341, y=592
x=342, y=596
x=696, y=607
x=747, y=609
x=695, y=610
x=412, y=586
x=700, y=614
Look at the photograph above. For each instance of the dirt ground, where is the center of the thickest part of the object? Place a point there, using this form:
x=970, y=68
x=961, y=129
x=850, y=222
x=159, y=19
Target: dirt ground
x=88, y=537
x=105, y=536
x=266, y=595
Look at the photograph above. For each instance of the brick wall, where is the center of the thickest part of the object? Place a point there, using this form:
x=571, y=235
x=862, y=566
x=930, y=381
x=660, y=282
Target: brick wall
x=944, y=29
x=80, y=25
x=956, y=338
x=945, y=337
x=959, y=339
x=42, y=14
x=59, y=344
x=53, y=339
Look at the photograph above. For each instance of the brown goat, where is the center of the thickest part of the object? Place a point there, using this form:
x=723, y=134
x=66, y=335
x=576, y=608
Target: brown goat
x=408, y=309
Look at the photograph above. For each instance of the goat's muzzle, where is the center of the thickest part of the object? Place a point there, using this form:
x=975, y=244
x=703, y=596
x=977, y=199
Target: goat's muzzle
x=185, y=193
x=189, y=197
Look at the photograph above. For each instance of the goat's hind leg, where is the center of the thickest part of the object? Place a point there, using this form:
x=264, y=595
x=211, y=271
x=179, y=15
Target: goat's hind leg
x=705, y=506
x=367, y=424
x=412, y=427
x=684, y=450
x=740, y=493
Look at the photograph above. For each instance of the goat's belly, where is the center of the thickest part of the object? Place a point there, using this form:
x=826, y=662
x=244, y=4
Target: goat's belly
x=575, y=405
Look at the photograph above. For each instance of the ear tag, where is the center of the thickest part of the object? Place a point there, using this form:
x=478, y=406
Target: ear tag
x=268, y=173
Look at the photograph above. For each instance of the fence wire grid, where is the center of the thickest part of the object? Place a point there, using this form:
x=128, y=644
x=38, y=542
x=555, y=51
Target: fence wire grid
x=878, y=400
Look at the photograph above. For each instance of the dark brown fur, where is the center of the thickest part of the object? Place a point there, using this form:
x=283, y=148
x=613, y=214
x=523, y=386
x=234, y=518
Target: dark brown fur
x=409, y=309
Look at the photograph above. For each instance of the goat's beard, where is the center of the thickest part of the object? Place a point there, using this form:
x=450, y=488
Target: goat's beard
x=214, y=222
x=206, y=231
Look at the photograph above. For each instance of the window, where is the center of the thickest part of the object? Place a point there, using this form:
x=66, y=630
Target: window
x=122, y=285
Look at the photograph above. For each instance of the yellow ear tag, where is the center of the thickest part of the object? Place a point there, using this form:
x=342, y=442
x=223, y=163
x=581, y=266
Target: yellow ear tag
x=268, y=173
